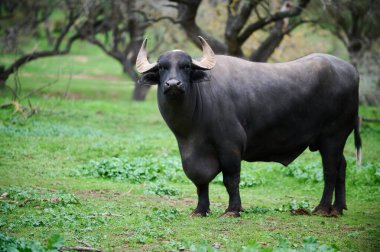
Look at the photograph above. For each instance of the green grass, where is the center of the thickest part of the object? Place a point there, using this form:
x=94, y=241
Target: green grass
x=100, y=168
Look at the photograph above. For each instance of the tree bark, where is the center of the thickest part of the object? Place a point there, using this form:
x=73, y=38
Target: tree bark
x=187, y=12
x=269, y=45
x=2, y=85
x=140, y=91
x=237, y=29
x=2, y=78
x=136, y=31
x=6, y=72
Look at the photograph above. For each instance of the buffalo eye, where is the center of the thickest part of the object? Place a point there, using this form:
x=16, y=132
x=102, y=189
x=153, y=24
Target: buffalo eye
x=185, y=67
x=161, y=68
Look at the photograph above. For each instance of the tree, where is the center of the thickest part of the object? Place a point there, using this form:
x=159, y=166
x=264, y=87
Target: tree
x=356, y=24
x=118, y=27
x=25, y=17
x=243, y=19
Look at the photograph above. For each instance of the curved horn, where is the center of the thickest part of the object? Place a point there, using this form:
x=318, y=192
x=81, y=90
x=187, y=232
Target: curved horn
x=207, y=61
x=142, y=63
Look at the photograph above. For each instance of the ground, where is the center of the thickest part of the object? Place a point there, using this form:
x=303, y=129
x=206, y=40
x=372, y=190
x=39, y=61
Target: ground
x=92, y=166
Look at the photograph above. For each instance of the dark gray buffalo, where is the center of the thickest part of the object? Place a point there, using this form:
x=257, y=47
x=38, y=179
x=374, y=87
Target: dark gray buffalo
x=223, y=110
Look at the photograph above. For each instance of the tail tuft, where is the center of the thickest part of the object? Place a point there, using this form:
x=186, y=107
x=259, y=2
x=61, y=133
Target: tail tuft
x=358, y=142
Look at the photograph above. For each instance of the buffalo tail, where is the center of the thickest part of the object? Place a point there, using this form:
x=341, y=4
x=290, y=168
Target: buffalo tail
x=358, y=142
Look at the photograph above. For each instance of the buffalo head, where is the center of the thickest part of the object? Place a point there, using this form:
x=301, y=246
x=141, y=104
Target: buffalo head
x=175, y=70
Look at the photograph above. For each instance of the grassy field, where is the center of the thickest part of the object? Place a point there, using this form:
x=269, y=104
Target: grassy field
x=92, y=166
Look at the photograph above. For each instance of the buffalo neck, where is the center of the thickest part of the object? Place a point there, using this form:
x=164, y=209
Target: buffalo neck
x=181, y=113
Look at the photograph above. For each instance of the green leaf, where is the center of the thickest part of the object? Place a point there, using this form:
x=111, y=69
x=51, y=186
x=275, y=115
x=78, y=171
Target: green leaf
x=55, y=242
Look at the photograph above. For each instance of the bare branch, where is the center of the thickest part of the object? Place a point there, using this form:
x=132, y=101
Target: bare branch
x=187, y=11
x=149, y=20
x=155, y=20
x=64, y=248
x=237, y=18
x=174, y=6
x=67, y=28
x=36, y=55
x=265, y=6
x=298, y=23
x=370, y=120
x=112, y=53
x=35, y=91
x=270, y=19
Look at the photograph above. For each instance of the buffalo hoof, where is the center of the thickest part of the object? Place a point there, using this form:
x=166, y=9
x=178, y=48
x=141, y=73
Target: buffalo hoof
x=198, y=213
x=337, y=211
x=322, y=211
x=230, y=214
x=327, y=211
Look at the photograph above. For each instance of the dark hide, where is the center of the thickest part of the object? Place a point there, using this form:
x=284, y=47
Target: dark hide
x=242, y=110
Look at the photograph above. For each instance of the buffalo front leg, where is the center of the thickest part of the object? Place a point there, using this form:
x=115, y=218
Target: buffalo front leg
x=203, y=207
x=201, y=167
x=231, y=182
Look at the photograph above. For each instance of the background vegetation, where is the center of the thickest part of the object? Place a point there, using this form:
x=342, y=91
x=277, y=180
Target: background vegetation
x=82, y=165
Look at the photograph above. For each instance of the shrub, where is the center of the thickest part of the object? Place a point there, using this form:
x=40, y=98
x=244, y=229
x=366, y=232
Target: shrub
x=135, y=170
x=25, y=196
x=367, y=174
x=310, y=172
x=20, y=244
x=161, y=188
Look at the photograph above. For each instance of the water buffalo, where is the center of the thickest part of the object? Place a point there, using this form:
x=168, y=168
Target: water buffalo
x=223, y=109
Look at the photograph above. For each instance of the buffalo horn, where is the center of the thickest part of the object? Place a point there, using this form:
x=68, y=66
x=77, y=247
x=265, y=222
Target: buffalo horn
x=142, y=63
x=208, y=58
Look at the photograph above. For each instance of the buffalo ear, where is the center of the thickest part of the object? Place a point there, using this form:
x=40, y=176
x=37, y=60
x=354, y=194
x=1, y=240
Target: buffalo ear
x=199, y=75
x=149, y=78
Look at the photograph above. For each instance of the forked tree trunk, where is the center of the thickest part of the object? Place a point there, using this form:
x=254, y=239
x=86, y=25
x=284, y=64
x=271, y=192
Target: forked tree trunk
x=140, y=92
x=356, y=49
x=238, y=27
x=269, y=45
x=136, y=31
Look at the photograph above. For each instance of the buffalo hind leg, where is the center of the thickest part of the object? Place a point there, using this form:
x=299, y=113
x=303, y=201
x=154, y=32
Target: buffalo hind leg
x=231, y=182
x=340, y=190
x=203, y=207
x=332, y=161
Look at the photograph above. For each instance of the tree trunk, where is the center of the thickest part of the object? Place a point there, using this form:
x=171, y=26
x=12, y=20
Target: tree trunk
x=140, y=92
x=3, y=77
x=136, y=32
x=187, y=12
x=10, y=40
x=270, y=44
x=48, y=31
x=356, y=49
x=2, y=85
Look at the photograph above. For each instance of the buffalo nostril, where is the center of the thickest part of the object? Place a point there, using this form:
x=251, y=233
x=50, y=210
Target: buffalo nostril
x=173, y=82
